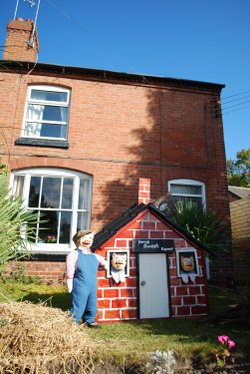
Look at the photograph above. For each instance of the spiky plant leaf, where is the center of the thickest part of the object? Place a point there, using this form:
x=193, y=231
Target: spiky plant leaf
x=201, y=223
x=17, y=226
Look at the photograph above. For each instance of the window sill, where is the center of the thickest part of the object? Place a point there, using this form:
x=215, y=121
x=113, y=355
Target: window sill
x=42, y=143
x=51, y=257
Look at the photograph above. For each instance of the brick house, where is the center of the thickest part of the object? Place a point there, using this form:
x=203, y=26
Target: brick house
x=77, y=140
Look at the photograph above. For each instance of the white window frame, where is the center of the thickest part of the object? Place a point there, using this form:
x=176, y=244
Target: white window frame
x=47, y=103
x=189, y=182
x=52, y=248
x=192, y=182
x=184, y=251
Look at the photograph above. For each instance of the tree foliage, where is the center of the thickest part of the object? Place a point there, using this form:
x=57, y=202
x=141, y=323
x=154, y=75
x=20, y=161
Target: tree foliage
x=238, y=171
x=17, y=226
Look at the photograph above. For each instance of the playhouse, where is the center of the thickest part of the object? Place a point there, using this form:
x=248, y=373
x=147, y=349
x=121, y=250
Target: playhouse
x=162, y=269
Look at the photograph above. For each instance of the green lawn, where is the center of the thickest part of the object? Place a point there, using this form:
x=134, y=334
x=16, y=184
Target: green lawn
x=129, y=342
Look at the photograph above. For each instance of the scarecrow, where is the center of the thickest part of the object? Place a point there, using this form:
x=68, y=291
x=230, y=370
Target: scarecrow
x=81, y=273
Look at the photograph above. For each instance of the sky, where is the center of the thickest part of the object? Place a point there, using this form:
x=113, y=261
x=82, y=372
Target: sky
x=203, y=40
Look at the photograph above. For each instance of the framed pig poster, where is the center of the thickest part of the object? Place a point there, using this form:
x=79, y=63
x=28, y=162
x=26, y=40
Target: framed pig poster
x=187, y=264
x=118, y=265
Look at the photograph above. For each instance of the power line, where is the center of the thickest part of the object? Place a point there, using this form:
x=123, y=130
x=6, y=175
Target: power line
x=231, y=106
x=235, y=110
x=241, y=93
x=231, y=101
x=70, y=18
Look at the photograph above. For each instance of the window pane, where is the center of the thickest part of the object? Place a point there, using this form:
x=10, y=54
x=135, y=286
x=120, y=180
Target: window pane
x=35, y=112
x=82, y=221
x=84, y=193
x=47, y=113
x=53, y=131
x=185, y=189
x=65, y=227
x=48, y=95
x=48, y=230
x=55, y=113
x=35, y=183
x=67, y=193
x=51, y=192
x=32, y=129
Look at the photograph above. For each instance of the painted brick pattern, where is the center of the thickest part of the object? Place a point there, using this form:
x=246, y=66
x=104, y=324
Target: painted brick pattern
x=119, y=302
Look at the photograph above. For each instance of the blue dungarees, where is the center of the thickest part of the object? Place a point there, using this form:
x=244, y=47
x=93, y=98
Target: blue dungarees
x=84, y=288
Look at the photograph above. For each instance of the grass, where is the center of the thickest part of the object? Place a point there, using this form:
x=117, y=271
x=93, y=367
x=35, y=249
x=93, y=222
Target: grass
x=55, y=296
x=128, y=342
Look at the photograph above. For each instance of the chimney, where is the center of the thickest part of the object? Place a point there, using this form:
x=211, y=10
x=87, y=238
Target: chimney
x=144, y=191
x=21, y=41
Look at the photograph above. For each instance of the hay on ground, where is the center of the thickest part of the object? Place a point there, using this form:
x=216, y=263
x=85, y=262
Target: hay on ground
x=35, y=338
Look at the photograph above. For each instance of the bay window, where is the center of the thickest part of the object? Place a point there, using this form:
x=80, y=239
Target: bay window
x=62, y=199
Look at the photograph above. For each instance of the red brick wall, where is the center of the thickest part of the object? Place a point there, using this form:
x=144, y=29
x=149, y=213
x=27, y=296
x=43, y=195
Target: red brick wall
x=119, y=302
x=19, y=33
x=144, y=190
x=130, y=141
x=49, y=272
x=119, y=132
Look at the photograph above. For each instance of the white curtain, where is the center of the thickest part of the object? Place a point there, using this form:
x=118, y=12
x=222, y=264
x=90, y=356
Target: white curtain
x=34, y=113
x=18, y=186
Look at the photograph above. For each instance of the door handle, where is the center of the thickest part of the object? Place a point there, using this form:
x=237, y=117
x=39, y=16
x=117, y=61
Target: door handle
x=143, y=283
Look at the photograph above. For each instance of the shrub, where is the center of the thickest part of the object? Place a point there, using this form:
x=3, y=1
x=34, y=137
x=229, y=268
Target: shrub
x=17, y=226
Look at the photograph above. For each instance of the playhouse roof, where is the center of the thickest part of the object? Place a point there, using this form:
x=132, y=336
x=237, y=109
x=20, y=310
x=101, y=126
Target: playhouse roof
x=113, y=227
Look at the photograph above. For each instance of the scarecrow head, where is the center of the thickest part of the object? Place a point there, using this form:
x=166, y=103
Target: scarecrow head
x=83, y=238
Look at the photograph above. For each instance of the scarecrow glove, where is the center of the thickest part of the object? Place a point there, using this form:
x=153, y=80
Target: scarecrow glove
x=70, y=284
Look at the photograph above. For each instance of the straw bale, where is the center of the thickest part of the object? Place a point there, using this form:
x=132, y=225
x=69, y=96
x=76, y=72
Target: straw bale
x=35, y=338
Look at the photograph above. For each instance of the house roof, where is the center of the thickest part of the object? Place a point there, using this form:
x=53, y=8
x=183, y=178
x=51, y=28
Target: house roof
x=239, y=192
x=107, y=76
x=113, y=227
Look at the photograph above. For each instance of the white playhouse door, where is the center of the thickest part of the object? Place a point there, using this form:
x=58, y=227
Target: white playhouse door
x=153, y=285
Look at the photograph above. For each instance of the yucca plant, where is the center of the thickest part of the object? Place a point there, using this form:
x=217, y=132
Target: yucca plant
x=201, y=223
x=17, y=226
